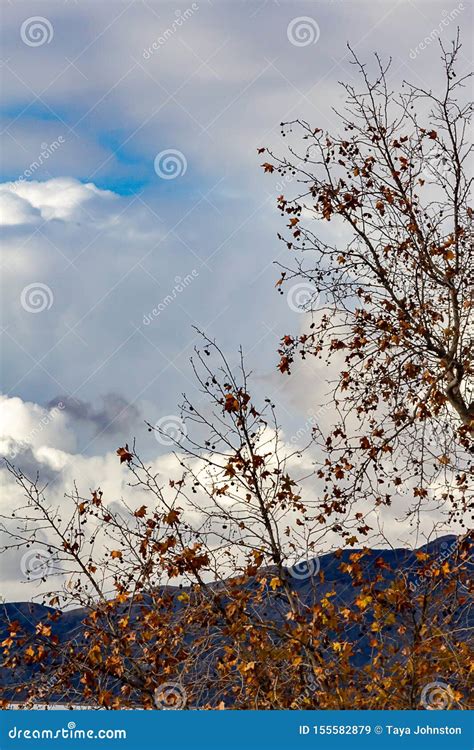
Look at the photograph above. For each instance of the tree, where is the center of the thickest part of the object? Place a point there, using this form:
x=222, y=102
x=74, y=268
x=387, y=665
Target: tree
x=190, y=595
x=393, y=299
x=204, y=589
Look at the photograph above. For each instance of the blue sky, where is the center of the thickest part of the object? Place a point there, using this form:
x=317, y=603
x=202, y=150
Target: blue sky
x=115, y=84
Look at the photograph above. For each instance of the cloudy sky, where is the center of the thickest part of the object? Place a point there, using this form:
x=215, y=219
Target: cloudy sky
x=133, y=206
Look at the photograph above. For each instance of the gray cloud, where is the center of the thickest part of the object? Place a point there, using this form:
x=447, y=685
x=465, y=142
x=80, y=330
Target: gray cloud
x=115, y=415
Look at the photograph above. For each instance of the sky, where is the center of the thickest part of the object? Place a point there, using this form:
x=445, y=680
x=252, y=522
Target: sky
x=133, y=207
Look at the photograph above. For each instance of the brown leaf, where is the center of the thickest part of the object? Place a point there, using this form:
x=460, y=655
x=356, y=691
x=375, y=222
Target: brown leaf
x=124, y=454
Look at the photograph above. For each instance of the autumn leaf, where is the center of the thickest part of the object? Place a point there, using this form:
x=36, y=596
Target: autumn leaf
x=363, y=601
x=124, y=454
x=94, y=655
x=284, y=365
x=248, y=667
x=171, y=517
x=44, y=630
x=231, y=403
x=422, y=556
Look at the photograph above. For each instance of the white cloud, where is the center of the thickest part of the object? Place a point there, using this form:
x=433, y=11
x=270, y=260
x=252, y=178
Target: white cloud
x=30, y=424
x=64, y=198
x=16, y=210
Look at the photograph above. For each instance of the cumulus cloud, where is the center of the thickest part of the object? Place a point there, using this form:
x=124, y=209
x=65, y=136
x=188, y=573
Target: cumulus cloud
x=64, y=198
x=16, y=210
x=27, y=423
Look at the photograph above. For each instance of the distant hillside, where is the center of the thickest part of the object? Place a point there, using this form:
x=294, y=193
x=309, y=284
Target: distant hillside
x=68, y=625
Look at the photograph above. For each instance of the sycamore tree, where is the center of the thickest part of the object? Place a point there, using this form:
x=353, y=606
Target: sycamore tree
x=390, y=299
x=190, y=595
x=203, y=588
